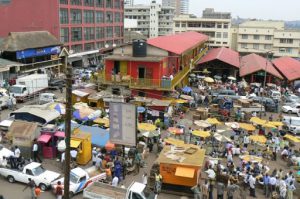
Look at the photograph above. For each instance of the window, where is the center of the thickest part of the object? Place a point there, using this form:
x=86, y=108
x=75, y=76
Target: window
x=63, y=16
x=225, y=34
x=117, y=4
x=219, y=35
x=62, y=2
x=89, y=16
x=99, y=17
x=109, y=4
x=256, y=46
x=75, y=16
x=289, y=50
x=109, y=17
x=268, y=46
x=76, y=2
x=256, y=37
x=89, y=3
x=76, y=34
x=225, y=25
x=268, y=37
x=89, y=33
x=117, y=17
x=64, y=35
x=100, y=45
x=183, y=25
x=286, y=41
x=243, y=45
x=109, y=32
x=219, y=25
x=117, y=31
x=89, y=46
x=100, y=3
x=244, y=36
x=100, y=33
x=77, y=48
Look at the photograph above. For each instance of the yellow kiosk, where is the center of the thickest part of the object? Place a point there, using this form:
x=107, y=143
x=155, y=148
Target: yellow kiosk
x=82, y=142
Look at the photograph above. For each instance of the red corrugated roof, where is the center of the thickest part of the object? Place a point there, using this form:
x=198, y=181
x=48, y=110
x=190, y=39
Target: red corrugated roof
x=253, y=63
x=223, y=54
x=178, y=43
x=289, y=67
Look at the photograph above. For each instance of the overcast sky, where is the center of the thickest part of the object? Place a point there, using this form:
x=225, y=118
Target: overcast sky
x=260, y=9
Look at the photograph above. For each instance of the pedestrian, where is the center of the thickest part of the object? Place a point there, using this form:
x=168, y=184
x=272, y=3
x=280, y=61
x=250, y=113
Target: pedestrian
x=115, y=181
x=37, y=192
x=31, y=185
x=61, y=88
x=94, y=156
x=35, y=150
x=158, y=182
x=252, y=181
x=204, y=190
x=137, y=161
x=291, y=188
x=282, y=191
x=266, y=180
x=17, y=153
x=197, y=191
x=59, y=190
x=220, y=190
x=145, y=178
x=231, y=188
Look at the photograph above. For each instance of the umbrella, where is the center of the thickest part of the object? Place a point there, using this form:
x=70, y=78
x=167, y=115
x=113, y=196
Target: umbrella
x=146, y=127
x=247, y=127
x=257, y=120
x=212, y=121
x=205, y=71
x=187, y=89
x=200, y=77
x=180, y=101
x=251, y=158
x=140, y=109
x=231, y=78
x=276, y=123
x=150, y=134
x=221, y=138
x=203, y=134
x=186, y=97
x=59, y=107
x=202, y=123
x=185, y=122
x=79, y=105
x=258, y=138
x=104, y=121
x=292, y=138
x=83, y=114
x=225, y=132
x=217, y=77
x=209, y=80
x=233, y=125
x=268, y=125
x=175, y=131
x=192, y=75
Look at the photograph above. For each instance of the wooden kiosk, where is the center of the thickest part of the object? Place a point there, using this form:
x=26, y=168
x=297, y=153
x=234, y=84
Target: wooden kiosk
x=81, y=141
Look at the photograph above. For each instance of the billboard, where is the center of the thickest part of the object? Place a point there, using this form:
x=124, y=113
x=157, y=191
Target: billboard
x=54, y=50
x=122, y=123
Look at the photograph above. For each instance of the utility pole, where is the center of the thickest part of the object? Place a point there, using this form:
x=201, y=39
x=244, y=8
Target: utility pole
x=68, y=129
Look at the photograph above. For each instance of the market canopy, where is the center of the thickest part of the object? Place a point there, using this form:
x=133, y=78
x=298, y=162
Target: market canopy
x=289, y=67
x=202, y=123
x=247, y=127
x=221, y=138
x=146, y=127
x=292, y=138
x=253, y=63
x=175, y=131
x=251, y=158
x=257, y=120
x=213, y=121
x=44, y=138
x=258, y=138
x=203, y=134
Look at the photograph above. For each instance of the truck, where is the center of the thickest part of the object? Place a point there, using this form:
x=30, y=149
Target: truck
x=34, y=171
x=80, y=179
x=29, y=86
x=99, y=190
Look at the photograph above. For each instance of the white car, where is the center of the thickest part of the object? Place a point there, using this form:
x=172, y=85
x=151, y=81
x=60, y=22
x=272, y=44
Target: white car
x=41, y=177
x=294, y=108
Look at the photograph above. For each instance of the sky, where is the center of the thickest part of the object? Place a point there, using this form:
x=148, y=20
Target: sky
x=259, y=9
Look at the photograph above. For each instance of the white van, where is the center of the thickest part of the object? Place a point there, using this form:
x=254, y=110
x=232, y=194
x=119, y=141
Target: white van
x=291, y=124
x=275, y=95
x=47, y=97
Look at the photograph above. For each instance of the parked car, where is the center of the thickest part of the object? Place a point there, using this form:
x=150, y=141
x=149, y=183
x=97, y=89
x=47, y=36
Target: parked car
x=269, y=103
x=294, y=108
x=55, y=84
x=291, y=124
x=292, y=98
x=225, y=93
x=46, y=98
x=275, y=95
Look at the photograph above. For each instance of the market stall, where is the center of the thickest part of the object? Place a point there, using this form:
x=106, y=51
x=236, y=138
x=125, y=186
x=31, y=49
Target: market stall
x=81, y=141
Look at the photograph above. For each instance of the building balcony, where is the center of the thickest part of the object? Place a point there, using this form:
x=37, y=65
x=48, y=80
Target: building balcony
x=27, y=68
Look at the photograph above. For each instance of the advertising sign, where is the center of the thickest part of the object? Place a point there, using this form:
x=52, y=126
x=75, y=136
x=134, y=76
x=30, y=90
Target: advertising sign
x=122, y=121
x=38, y=52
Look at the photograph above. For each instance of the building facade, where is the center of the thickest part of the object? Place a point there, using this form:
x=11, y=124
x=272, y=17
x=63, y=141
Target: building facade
x=82, y=25
x=181, y=6
x=129, y=2
x=152, y=20
x=265, y=36
x=218, y=30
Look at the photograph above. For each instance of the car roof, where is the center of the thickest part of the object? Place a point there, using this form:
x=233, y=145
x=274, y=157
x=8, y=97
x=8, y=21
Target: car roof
x=49, y=94
x=78, y=171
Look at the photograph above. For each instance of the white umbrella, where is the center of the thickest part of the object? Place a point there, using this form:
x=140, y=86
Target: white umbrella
x=202, y=123
x=231, y=78
x=221, y=138
x=150, y=134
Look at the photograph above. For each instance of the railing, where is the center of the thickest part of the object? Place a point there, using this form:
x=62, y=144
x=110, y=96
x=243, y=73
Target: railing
x=180, y=75
x=163, y=84
x=38, y=65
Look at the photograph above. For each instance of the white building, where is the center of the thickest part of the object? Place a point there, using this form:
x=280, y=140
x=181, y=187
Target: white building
x=264, y=36
x=129, y=2
x=218, y=30
x=181, y=6
x=152, y=20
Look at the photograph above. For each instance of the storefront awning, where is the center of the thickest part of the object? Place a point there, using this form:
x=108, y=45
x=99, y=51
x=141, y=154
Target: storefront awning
x=185, y=172
x=44, y=138
x=60, y=134
x=75, y=143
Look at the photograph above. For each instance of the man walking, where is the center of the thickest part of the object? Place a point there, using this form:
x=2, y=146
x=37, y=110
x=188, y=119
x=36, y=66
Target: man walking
x=35, y=150
x=220, y=190
x=266, y=180
x=231, y=188
x=31, y=185
x=59, y=190
x=252, y=181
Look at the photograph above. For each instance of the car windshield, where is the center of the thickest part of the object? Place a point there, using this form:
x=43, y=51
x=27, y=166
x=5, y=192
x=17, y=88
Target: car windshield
x=295, y=122
x=294, y=97
x=73, y=178
x=38, y=171
x=15, y=89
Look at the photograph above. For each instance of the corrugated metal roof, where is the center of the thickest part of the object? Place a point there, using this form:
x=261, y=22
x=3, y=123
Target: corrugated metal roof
x=22, y=128
x=289, y=67
x=8, y=63
x=178, y=43
x=223, y=54
x=253, y=63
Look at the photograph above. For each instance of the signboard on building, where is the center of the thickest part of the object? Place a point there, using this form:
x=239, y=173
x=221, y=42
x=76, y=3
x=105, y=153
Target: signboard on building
x=54, y=50
x=122, y=123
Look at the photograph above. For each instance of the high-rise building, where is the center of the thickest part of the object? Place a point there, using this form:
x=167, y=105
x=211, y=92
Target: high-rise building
x=129, y=2
x=82, y=25
x=181, y=6
x=151, y=20
x=210, y=13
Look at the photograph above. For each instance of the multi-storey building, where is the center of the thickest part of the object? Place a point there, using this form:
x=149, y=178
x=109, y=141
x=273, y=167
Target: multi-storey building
x=218, y=30
x=265, y=36
x=82, y=25
x=181, y=6
x=152, y=20
x=211, y=14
